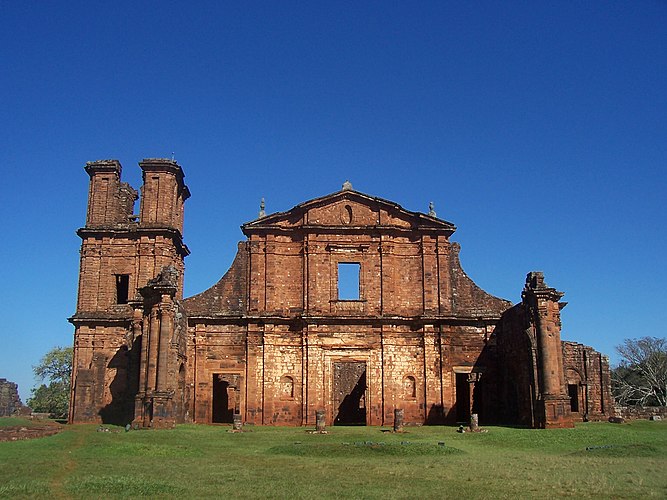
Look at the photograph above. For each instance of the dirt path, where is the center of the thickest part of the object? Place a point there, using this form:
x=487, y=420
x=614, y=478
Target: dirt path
x=69, y=465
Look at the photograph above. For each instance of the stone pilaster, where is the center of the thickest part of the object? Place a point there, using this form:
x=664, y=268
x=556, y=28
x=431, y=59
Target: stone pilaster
x=552, y=408
x=155, y=399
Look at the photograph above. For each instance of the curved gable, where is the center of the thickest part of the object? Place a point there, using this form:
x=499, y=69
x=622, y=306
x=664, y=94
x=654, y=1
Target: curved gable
x=228, y=296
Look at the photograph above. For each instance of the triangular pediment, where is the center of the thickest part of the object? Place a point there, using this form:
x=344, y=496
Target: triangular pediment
x=349, y=209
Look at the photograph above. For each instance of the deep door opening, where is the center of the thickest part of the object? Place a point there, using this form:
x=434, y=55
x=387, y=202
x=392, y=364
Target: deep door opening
x=181, y=399
x=349, y=388
x=573, y=393
x=462, y=398
x=224, y=401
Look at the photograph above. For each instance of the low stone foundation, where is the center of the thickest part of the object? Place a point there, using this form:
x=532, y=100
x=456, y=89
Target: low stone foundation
x=641, y=413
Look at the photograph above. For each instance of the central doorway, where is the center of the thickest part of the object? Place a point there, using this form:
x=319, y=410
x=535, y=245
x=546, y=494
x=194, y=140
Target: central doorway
x=226, y=400
x=349, y=393
x=462, y=398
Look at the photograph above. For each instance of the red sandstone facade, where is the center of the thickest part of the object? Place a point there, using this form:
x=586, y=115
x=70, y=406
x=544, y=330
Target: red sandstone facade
x=276, y=339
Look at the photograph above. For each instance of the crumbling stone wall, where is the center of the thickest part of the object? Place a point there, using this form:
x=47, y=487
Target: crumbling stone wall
x=641, y=413
x=588, y=379
x=10, y=403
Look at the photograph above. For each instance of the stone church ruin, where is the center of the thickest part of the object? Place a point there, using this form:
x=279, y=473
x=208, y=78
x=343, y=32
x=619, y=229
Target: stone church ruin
x=278, y=338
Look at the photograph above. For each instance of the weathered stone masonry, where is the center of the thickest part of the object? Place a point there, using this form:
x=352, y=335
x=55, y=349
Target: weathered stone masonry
x=275, y=340
x=10, y=403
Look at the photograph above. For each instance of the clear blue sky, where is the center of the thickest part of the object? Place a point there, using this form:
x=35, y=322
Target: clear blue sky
x=538, y=128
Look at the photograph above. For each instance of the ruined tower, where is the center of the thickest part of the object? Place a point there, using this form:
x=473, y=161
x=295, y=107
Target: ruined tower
x=120, y=253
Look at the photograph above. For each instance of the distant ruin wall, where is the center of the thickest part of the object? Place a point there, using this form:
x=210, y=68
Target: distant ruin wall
x=10, y=403
x=639, y=413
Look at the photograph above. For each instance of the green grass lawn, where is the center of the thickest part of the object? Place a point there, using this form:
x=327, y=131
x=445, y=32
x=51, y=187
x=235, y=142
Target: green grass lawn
x=593, y=460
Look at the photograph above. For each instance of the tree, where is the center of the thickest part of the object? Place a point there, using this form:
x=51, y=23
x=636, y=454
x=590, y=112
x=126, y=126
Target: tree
x=641, y=377
x=55, y=368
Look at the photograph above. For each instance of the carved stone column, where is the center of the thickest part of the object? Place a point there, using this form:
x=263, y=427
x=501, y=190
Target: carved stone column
x=156, y=391
x=543, y=308
x=166, y=332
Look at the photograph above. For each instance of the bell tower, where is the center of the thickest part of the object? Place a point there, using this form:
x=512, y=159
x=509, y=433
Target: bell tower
x=120, y=253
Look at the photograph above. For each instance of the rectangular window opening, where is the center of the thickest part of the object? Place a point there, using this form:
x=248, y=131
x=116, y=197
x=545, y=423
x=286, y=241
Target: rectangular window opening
x=348, y=280
x=122, y=288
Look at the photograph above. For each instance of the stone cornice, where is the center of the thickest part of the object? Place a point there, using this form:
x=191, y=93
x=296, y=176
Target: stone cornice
x=332, y=320
x=109, y=166
x=543, y=294
x=166, y=165
x=324, y=229
x=99, y=318
x=135, y=230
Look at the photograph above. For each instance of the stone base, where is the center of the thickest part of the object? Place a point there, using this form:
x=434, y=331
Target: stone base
x=154, y=411
x=553, y=412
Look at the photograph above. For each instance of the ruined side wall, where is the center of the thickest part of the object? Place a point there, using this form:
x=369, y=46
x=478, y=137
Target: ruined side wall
x=588, y=371
x=464, y=295
x=229, y=296
x=517, y=368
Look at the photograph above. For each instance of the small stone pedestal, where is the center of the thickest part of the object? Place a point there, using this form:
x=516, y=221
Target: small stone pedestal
x=474, y=422
x=320, y=421
x=237, y=424
x=398, y=420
